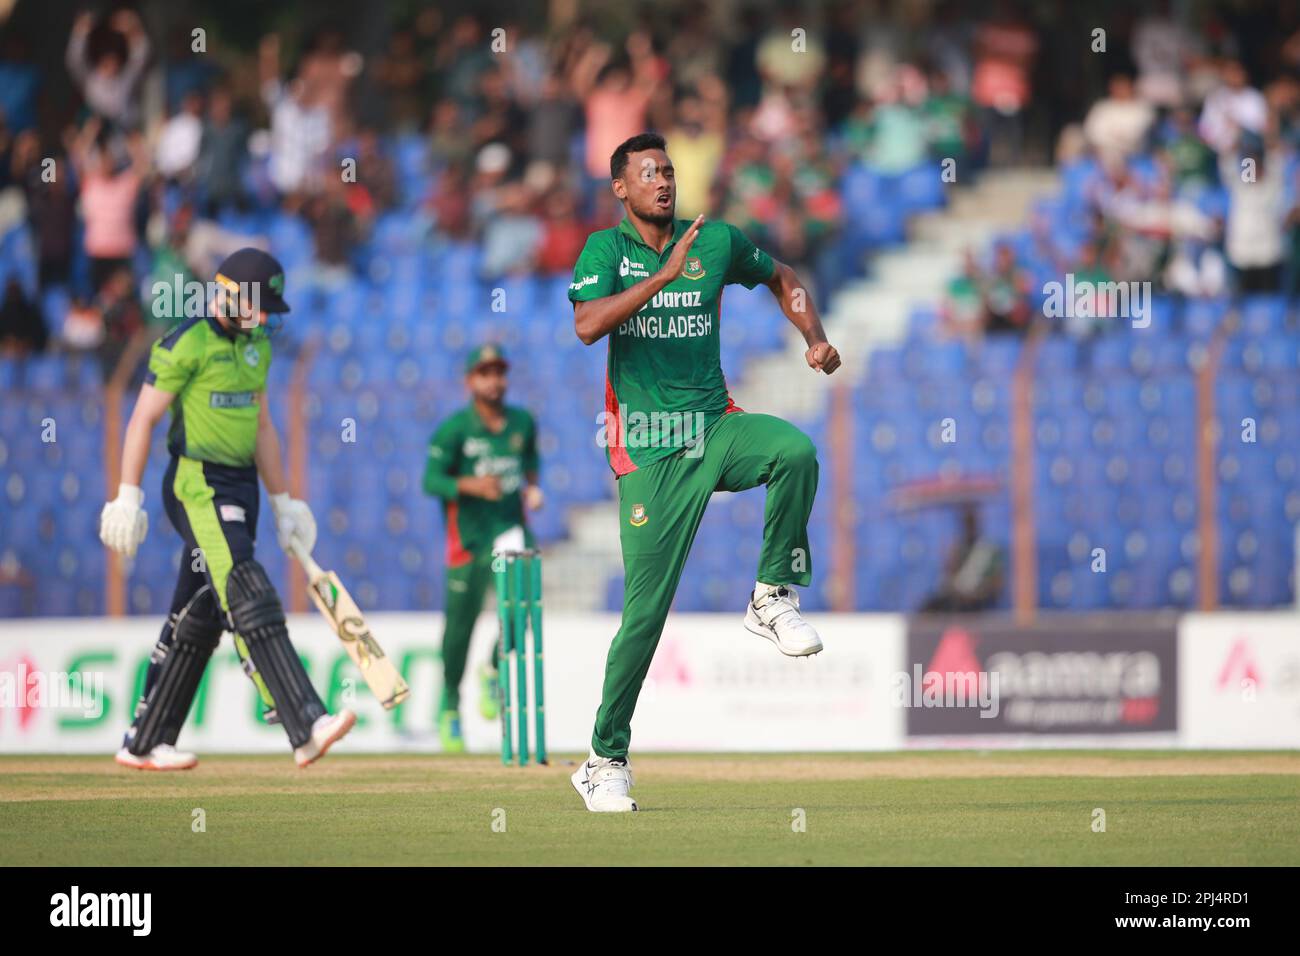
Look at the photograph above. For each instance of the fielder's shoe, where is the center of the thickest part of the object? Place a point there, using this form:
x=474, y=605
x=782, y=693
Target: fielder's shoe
x=328, y=730
x=603, y=782
x=775, y=616
x=162, y=757
x=489, y=692
x=453, y=741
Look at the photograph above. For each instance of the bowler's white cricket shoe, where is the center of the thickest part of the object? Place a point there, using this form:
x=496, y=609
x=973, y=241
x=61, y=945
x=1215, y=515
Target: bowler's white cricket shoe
x=328, y=730
x=162, y=757
x=774, y=615
x=603, y=782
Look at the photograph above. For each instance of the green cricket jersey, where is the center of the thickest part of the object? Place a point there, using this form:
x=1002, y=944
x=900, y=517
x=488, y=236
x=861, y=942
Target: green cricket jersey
x=217, y=377
x=463, y=446
x=664, y=384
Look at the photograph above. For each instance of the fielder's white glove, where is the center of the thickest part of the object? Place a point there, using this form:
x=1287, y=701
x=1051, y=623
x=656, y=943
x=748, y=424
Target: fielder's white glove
x=123, y=523
x=293, y=520
x=512, y=539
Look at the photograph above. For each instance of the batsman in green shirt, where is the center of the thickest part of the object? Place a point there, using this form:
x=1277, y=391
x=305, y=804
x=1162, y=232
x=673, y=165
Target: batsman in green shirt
x=210, y=371
x=652, y=285
x=483, y=465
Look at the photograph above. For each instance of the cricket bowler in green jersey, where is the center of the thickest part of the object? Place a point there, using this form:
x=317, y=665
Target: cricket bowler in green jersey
x=211, y=371
x=483, y=465
x=653, y=285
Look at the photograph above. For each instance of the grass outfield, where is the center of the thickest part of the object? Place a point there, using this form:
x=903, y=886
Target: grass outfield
x=1023, y=807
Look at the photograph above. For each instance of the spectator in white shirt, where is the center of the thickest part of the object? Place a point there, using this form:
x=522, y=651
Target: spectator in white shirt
x=1162, y=48
x=1116, y=127
x=1232, y=107
x=108, y=85
x=178, y=143
x=1255, y=231
x=300, y=125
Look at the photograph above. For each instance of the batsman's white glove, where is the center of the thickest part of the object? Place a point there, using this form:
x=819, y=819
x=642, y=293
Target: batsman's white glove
x=123, y=523
x=293, y=520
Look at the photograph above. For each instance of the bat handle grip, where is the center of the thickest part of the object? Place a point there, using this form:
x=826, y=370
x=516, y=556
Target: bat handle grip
x=304, y=558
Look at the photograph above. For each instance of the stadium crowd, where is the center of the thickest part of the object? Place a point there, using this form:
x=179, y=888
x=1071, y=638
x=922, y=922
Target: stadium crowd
x=1182, y=174
x=515, y=130
x=515, y=125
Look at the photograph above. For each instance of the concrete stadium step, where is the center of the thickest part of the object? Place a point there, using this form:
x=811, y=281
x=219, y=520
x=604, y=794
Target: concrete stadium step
x=873, y=312
x=953, y=235
x=576, y=570
x=913, y=268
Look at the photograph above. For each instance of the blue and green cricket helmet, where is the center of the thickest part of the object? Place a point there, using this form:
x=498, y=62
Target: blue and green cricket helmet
x=249, y=266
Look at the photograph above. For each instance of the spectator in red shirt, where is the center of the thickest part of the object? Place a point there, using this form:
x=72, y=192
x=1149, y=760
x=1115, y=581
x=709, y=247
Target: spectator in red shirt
x=563, y=233
x=1005, y=51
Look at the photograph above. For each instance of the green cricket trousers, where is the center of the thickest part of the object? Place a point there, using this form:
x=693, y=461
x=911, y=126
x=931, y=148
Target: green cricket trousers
x=467, y=584
x=660, y=507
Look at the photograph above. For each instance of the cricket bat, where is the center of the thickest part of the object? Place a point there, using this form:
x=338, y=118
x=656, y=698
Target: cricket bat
x=335, y=603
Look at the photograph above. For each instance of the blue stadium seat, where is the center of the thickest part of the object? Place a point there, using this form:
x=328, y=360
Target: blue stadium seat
x=46, y=373
x=1263, y=315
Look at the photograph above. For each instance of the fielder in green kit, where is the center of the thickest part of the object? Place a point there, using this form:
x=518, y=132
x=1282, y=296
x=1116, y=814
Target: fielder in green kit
x=653, y=284
x=483, y=465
